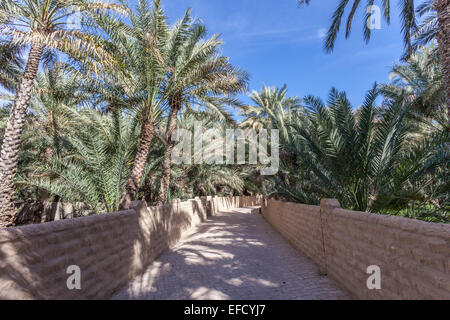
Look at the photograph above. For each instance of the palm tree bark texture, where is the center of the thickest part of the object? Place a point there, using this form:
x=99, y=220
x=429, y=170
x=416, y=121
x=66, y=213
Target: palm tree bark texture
x=175, y=103
x=133, y=181
x=442, y=8
x=13, y=132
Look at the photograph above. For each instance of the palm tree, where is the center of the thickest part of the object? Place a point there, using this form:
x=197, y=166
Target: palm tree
x=420, y=82
x=442, y=8
x=435, y=26
x=272, y=109
x=96, y=164
x=55, y=88
x=207, y=180
x=190, y=180
x=407, y=17
x=42, y=24
x=418, y=184
x=196, y=73
x=136, y=85
x=344, y=156
x=43, y=137
x=409, y=27
x=203, y=179
x=428, y=28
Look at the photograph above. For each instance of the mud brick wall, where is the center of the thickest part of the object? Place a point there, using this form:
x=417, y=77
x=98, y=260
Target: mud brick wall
x=300, y=225
x=413, y=256
x=249, y=201
x=110, y=249
x=224, y=203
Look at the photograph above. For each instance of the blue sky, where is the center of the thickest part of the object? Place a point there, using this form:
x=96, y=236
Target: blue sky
x=278, y=43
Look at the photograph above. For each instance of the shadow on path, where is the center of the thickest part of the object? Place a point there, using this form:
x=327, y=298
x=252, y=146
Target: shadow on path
x=236, y=255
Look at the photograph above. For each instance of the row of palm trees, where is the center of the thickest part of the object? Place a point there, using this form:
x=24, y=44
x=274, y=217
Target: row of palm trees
x=95, y=123
x=72, y=154
x=169, y=66
x=390, y=157
x=143, y=65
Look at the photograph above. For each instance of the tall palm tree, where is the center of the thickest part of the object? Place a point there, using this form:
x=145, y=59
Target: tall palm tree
x=195, y=73
x=435, y=26
x=442, y=8
x=272, y=109
x=409, y=27
x=41, y=24
x=136, y=85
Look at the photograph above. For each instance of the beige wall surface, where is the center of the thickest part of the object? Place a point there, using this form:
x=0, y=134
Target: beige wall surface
x=110, y=249
x=413, y=256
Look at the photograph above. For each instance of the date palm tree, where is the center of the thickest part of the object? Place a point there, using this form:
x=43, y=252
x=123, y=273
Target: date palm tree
x=43, y=25
x=407, y=17
x=195, y=73
x=409, y=26
x=344, y=156
x=44, y=137
x=55, y=88
x=442, y=8
x=136, y=85
x=428, y=28
x=272, y=109
x=96, y=163
x=201, y=179
x=420, y=82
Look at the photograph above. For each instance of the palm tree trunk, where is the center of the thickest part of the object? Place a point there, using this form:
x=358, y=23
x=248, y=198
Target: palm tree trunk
x=442, y=8
x=165, y=177
x=133, y=181
x=148, y=188
x=13, y=132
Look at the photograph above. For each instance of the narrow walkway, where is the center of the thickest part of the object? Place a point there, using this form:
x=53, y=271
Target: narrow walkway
x=236, y=255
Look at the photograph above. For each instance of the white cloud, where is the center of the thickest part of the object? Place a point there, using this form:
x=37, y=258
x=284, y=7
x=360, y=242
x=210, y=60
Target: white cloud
x=321, y=33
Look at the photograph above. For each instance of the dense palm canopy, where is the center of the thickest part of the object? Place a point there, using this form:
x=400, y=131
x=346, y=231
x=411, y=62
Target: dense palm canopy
x=191, y=180
x=348, y=158
x=44, y=25
x=420, y=81
x=363, y=158
x=55, y=25
x=136, y=85
x=197, y=74
x=96, y=164
x=272, y=109
x=428, y=29
x=95, y=121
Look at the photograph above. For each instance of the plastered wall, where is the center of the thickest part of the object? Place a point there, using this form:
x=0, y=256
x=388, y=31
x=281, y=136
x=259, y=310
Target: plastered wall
x=413, y=256
x=110, y=249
